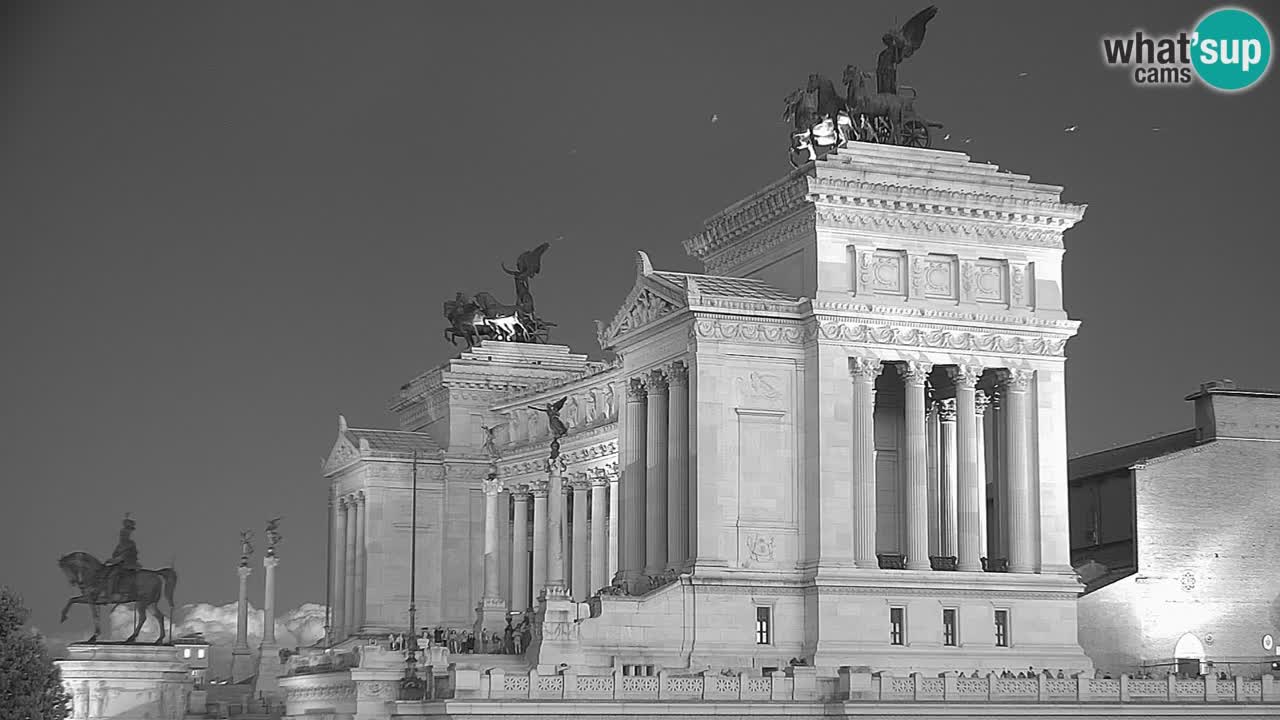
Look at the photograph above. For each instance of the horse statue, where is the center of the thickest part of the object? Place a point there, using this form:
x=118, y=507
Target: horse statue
x=863, y=102
x=89, y=576
x=464, y=316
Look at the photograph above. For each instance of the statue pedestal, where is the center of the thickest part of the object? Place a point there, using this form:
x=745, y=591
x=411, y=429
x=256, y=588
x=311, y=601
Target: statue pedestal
x=126, y=682
x=491, y=616
x=266, y=683
x=241, y=664
x=555, y=641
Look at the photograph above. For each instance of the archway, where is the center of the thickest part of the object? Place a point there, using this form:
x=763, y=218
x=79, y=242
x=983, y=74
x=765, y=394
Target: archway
x=1189, y=655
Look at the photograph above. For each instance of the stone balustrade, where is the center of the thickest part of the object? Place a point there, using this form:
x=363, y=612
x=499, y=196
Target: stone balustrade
x=322, y=662
x=802, y=684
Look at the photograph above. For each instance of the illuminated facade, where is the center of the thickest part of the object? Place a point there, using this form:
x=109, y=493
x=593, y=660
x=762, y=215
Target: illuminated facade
x=1176, y=539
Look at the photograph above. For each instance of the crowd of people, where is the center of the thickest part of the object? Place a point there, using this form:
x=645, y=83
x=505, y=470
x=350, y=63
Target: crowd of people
x=512, y=640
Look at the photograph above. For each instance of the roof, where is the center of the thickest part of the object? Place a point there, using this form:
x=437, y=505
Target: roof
x=393, y=441
x=1126, y=456
x=729, y=287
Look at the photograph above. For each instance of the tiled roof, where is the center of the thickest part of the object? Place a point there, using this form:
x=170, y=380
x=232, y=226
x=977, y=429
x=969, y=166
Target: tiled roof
x=729, y=287
x=1127, y=456
x=393, y=441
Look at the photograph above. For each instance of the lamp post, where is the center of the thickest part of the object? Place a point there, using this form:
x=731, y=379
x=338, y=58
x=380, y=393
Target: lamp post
x=411, y=687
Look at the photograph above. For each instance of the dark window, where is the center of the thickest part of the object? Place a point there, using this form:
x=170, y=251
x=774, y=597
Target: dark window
x=897, y=626
x=764, y=626
x=1002, y=628
x=949, y=627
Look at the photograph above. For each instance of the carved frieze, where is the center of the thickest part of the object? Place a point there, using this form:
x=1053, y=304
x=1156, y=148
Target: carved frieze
x=999, y=343
x=964, y=232
x=643, y=307
x=749, y=332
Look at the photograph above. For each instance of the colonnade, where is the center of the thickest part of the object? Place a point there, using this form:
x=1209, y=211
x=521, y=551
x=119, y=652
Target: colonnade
x=946, y=446
x=350, y=558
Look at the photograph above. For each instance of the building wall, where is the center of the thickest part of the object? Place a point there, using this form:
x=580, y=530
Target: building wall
x=1207, y=550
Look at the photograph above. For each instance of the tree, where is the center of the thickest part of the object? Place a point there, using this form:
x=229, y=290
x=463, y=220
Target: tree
x=30, y=684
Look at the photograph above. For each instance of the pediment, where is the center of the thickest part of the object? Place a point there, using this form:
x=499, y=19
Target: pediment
x=343, y=453
x=650, y=299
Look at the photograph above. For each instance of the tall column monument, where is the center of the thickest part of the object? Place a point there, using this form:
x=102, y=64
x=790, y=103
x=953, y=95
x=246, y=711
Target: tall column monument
x=267, y=683
x=241, y=655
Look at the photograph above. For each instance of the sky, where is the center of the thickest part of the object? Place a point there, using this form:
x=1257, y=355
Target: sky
x=224, y=223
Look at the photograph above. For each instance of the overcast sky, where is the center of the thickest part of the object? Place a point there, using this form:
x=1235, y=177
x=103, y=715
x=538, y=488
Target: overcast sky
x=224, y=223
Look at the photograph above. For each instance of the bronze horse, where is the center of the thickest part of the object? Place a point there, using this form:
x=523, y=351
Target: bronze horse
x=89, y=576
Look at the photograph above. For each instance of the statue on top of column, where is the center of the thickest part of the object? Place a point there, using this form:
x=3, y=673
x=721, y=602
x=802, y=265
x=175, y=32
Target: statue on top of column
x=273, y=536
x=246, y=546
x=557, y=426
x=490, y=446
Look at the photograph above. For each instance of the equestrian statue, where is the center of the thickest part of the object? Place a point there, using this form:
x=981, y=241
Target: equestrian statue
x=483, y=317
x=119, y=581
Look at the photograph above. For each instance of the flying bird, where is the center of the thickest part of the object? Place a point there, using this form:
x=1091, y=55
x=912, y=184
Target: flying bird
x=968, y=140
x=1155, y=129
x=1070, y=128
x=1023, y=74
x=715, y=118
x=947, y=136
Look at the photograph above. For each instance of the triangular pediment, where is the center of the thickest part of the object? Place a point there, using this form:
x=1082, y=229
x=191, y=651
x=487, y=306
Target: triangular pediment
x=651, y=299
x=343, y=453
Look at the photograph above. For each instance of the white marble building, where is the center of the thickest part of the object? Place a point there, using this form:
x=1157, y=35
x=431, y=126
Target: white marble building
x=843, y=444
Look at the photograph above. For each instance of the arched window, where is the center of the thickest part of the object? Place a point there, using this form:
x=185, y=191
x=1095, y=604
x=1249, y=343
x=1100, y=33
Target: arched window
x=1189, y=655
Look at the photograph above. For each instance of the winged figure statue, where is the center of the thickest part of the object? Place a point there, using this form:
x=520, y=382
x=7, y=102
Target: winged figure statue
x=900, y=45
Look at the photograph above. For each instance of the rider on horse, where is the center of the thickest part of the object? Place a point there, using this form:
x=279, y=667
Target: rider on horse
x=124, y=560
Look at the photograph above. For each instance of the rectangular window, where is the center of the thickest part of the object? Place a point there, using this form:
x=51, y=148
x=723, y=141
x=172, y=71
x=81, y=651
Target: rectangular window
x=949, y=627
x=1002, y=628
x=764, y=626
x=897, y=626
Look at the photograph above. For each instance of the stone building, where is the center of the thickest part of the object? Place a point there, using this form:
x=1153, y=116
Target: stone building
x=1163, y=590
x=844, y=444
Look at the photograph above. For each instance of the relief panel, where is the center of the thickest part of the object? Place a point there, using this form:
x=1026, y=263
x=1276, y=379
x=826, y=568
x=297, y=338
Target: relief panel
x=938, y=277
x=990, y=279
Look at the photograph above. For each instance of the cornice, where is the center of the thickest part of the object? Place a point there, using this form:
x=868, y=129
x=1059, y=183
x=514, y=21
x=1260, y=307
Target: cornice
x=951, y=203
x=995, y=321
x=585, y=454
x=765, y=207
x=898, y=221
x=600, y=372
x=728, y=257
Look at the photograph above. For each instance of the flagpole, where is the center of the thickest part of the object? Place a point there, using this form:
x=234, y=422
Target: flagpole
x=411, y=687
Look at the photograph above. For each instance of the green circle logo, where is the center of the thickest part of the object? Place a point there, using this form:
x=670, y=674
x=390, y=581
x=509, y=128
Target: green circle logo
x=1231, y=49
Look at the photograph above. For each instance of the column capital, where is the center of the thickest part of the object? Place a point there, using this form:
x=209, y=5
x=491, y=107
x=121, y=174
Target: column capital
x=359, y=497
x=598, y=478
x=636, y=391
x=657, y=381
x=538, y=489
x=343, y=501
x=244, y=571
x=915, y=372
x=865, y=369
x=678, y=373
x=491, y=485
x=946, y=409
x=1016, y=379
x=965, y=376
x=580, y=483
x=981, y=400
x=520, y=493
x=270, y=561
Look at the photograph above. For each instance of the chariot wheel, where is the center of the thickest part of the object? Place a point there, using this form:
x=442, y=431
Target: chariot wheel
x=915, y=134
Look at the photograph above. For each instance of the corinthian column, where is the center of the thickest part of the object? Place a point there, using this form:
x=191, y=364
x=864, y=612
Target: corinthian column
x=555, y=586
x=599, y=556
x=656, y=476
x=340, y=571
x=914, y=376
x=491, y=486
x=538, y=488
x=980, y=403
x=613, y=478
x=933, y=445
x=349, y=601
x=1020, y=542
x=357, y=607
x=520, y=550
x=631, y=543
x=581, y=589
x=678, y=469
x=947, y=476
x=970, y=551
x=864, y=372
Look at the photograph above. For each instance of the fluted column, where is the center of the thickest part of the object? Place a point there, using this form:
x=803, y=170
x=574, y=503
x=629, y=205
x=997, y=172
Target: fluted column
x=491, y=487
x=353, y=519
x=678, y=468
x=947, y=476
x=581, y=585
x=914, y=377
x=556, y=584
x=538, y=488
x=981, y=401
x=933, y=444
x=599, y=553
x=357, y=607
x=520, y=550
x=631, y=543
x=1021, y=550
x=612, y=541
x=969, y=557
x=656, y=476
x=999, y=540
x=864, y=372
x=339, y=610
x=337, y=630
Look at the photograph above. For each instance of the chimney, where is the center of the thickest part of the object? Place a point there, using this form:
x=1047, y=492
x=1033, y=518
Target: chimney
x=1206, y=418
x=1226, y=411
